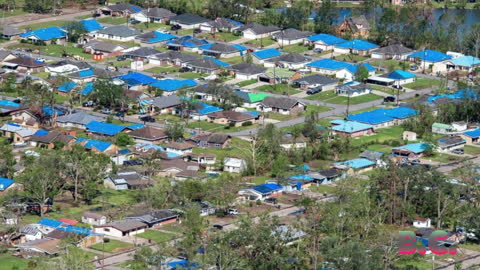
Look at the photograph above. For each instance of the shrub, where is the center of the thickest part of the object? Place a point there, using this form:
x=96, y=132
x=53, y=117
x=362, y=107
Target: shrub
x=106, y=240
x=258, y=202
x=246, y=124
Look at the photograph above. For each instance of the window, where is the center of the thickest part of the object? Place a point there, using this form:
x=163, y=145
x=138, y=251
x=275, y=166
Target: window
x=106, y=229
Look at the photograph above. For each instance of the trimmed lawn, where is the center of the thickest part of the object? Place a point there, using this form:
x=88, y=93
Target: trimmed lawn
x=316, y=109
x=221, y=36
x=384, y=89
x=83, y=17
x=167, y=69
x=259, y=180
x=45, y=24
x=192, y=75
x=322, y=95
x=150, y=26
x=174, y=228
x=248, y=82
x=235, y=149
x=11, y=262
x=233, y=60
x=111, y=246
x=53, y=50
x=354, y=100
x=422, y=83
x=351, y=58
x=278, y=116
x=471, y=150
x=390, y=64
x=125, y=63
x=156, y=236
x=112, y=20
x=260, y=43
x=295, y=48
x=280, y=89
x=443, y=158
x=322, y=189
x=184, y=32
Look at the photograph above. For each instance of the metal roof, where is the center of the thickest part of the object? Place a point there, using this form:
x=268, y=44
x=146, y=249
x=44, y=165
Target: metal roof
x=466, y=61
x=414, y=147
x=473, y=134
x=349, y=126
x=173, y=84
x=357, y=163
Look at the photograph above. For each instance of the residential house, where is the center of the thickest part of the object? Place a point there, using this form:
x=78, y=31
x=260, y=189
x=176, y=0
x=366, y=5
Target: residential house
x=48, y=139
x=429, y=59
x=355, y=166
x=173, y=58
x=149, y=134
x=401, y=77
x=49, y=35
x=186, y=43
x=395, y=51
x=155, y=37
x=102, y=47
x=76, y=120
x=413, y=150
x=46, y=246
x=169, y=168
x=25, y=64
x=127, y=180
x=440, y=128
x=6, y=184
x=356, y=46
x=251, y=100
x=351, y=128
x=118, y=33
x=245, y=71
x=262, y=192
x=220, y=25
x=164, y=104
x=104, y=129
x=201, y=111
x=282, y=105
x=222, y=50
x=374, y=156
x=339, y=69
x=256, y=31
x=185, y=175
x=324, y=42
x=17, y=133
x=207, y=65
x=326, y=176
x=35, y=231
x=122, y=156
x=91, y=26
x=121, y=9
x=459, y=126
x=422, y=222
x=472, y=136
x=357, y=26
x=6, y=55
x=135, y=80
x=154, y=15
x=24, y=118
x=463, y=63
x=450, y=143
x=94, y=219
x=353, y=89
x=211, y=140
x=180, y=148
x=290, y=36
x=409, y=136
x=97, y=146
x=288, y=61
x=259, y=57
x=121, y=228
x=10, y=32
x=66, y=66
x=316, y=81
x=232, y=118
x=379, y=118
x=234, y=165
x=140, y=54
x=202, y=158
x=188, y=21
x=279, y=75
x=155, y=218
x=288, y=141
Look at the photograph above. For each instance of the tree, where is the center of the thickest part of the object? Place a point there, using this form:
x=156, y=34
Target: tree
x=248, y=58
x=7, y=161
x=326, y=17
x=9, y=84
x=361, y=74
x=472, y=40
x=108, y=94
x=157, y=196
x=75, y=31
x=192, y=235
x=39, y=6
x=175, y=131
x=123, y=139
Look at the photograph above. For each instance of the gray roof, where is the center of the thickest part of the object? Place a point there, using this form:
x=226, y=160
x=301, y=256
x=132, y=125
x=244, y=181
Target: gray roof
x=291, y=34
x=79, y=65
x=222, y=48
x=358, y=20
x=164, y=102
x=10, y=30
x=142, y=52
x=154, y=216
x=175, y=55
x=315, y=79
x=120, y=31
x=245, y=68
x=450, y=140
x=395, y=49
x=125, y=225
x=4, y=54
x=371, y=155
x=81, y=118
x=259, y=28
x=104, y=46
x=159, y=13
x=290, y=58
x=188, y=19
x=280, y=102
x=222, y=23
x=204, y=63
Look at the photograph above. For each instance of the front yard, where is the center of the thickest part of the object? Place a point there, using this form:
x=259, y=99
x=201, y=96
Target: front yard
x=156, y=236
x=111, y=246
x=221, y=36
x=260, y=43
x=390, y=64
x=354, y=100
x=45, y=24
x=423, y=83
x=53, y=50
x=295, y=48
x=192, y=75
x=351, y=58
x=168, y=69
x=247, y=82
x=112, y=20
x=280, y=89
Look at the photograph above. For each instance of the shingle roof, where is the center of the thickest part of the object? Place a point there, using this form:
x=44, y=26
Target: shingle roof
x=159, y=13
x=149, y=133
x=187, y=41
x=259, y=28
x=267, y=53
x=175, y=55
x=357, y=44
x=279, y=102
x=395, y=49
x=142, y=52
x=104, y=128
x=90, y=144
x=223, y=23
x=204, y=63
x=25, y=61
x=121, y=7
x=120, y=31
x=163, y=102
x=231, y=116
x=52, y=136
x=155, y=36
x=214, y=138
x=81, y=118
x=290, y=58
x=125, y=225
x=430, y=56
x=104, y=46
x=291, y=34
x=188, y=19
x=48, y=33
x=450, y=140
x=10, y=30
x=246, y=68
x=315, y=79
x=223, y=47
x=326, y=39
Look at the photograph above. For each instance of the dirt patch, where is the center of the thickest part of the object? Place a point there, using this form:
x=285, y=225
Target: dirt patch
x=32, y=18
x=256, y=209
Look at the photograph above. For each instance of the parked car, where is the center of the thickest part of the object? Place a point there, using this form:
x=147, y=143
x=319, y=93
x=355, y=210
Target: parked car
x=271, y=200
x=147, y=118
x=397, y=87
x=184, y=69
x=175, y=27
x=121, y=58
x=233, y=211
x=458, y=151
x=389, y=99
x=88, y=104
x=217, y=227
x=317, y=50
x=119, y=114
x=197, y=31
x=314, y=90
x=133, y=162
x=106, y=111
x=413, y=67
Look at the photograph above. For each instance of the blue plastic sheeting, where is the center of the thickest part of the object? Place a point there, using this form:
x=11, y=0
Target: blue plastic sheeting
x=459, y=94
x=124, y=151
x=268, y=53
x=173, y=84
x=104, y=128
x=414, y=147
x=99, y=145
x=466, y=61
x=46, y=33
x=329, y=64
x=8, y=103
x=188, y=41
x=86, y=73
x=326, y=39
x=5, y=183
x=235, y=22
x=353, y=68
x=87, y=89
x=357, y=44
x=136, y=126
x=50, y=222
x=91, y=25
x=41, y=132
x=350, y=126
x=77, y=230
x=267, y=188
x=160, y=37
x=135, y=8
x=67, y=87
x=183, y=264
x=301, y=177
x=401, y=75
x=218, y=62
x=135, y=78
x=207, y=108
x=430, y=56
x=473, y=134
x=48, y=111
x=357, y=163
x=252, y=113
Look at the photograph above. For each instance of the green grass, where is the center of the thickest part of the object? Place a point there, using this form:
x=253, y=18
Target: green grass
x=111, y=246
x=322, y=95
x=295, y=48
x=168, y=69
x=14, y=12
x=471, y=150
x=422, y=83
x=258, y=180
x=351, y=58
x=443, y=158
x=45, y=24
x=130, y=43
x=53, y=49
x=390, y=64
x=278, y=116
x=112, y=20
x=316, y=109
x=122, y=63
x=470, y=246
x=385, y=89
x=263, y=42
x=9, y=262
x=381, y=135
x=236, y=149
x=43, y=75
x=322, y=189
x=221, y=36
x=247, y=82
x=354, y=100
x=184, y=32
x=364, y=110
x=150, y=26
x=205, y=125
x=83, y=17
x=156, y=236
x=233, y=60
x=280, y=89
x=174, y=228
x=192, y=75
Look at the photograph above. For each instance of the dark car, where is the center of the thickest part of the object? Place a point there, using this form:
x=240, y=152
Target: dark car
x=132, y=162
x=315, y=90
x=413, y=67
x=217, y=227
x=184, y=69
x=147, y=118
x=389, y=99
x=317, y=50
x=458, y=151
x=271, y=200
x=197, y=31
x=119, y=114
x=175, y=27
x=398, y=87
x=121, y=58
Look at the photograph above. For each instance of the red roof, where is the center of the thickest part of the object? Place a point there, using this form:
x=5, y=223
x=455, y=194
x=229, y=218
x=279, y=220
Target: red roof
x=71, y=222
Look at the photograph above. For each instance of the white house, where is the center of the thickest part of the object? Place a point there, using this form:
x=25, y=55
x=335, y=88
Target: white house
x=94, y=219
x=430, y=59
x=188, y=21
x=180, y=148
x=395, y=51
x=422, y=223
x=256, y=31
x=121, y=228
x=154, y=15
x=77, y=120
x=234, y=165
x=290, y=36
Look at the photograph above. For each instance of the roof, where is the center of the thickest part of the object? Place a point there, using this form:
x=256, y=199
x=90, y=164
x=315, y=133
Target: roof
x=154, y=216
x=125, y=225
x=213, y=138
x=353, y=68
x=290, y=58
x=188, y=19
x=173, y=84
x=142, y=52
x=26, y=61
x=155, y=36
x=371, y=155
x=94, y=144
x=329, y=64
x=104, y=128
x=91, y=25
x=466, y=61
x=10, y=30
x=50, y=222
x=136, y=78
x=223, y=47
x=326, y=39
x=450, y=140
x=251, y=97
x=267, y=53
x=395, y=49
x=430, y=56
x=357, y=44
x=100, y=45
x=120, y=31
x=50, y=137
x=187, y=41
x=246, y=68
x=414, y=147
x=232, y=116
x=223, y=23
x=207, y=63
x=5, y=183
x=71, y=222
x=358, y=163
x=159, y=13
x=22, y=131
x=4, y=54
x=442, y=126
x=267, y=188
x=401, y=75
x=175, y=55
x=47, y=245
x=259, y=29
x=121, y=7
x=291, y=34
x=163, y=102
x=473, y=134
x=233, y=162
x=315, y=79
x=81, y=118
x=179, y=145
x=280, y=102
x=93, y=215
x=183, y=264
x=87, y=89
x=349, y=126
x=378, y=116
x=67, y=87
x=329, y=172
x=148, y=133
x=48, y=33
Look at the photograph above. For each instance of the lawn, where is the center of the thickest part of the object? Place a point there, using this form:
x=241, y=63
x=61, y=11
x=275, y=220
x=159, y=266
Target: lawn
x=443, y=158
x=192, y=75
x=322, y=189
x=53, y=50
x=168, y=69
x=470, y=246
x=205, y=125
x=156, y=236
x=233, y=60
x=221, y=36
x=111, y=246
x=247, y=82
x=263, y=42
x=316, y=109
x=14, y=12
x=354, y=100
x=364, y=110
x=45, y=24
x=184, y=32
x=471, y=150
x=112, y=20
x=295, y=48
x=278, y=116
x=258, y=180
x=237, y=148
x=10, y=262
x=43, y=75
x=83, y=17
x=174, y=228
x=125, y=63
x=150, y=26
x=390, y=64
x=351, y=58
x=281, y=89
x=322, y=95
x=422, y=83
x=385, y=89
x=381, y=135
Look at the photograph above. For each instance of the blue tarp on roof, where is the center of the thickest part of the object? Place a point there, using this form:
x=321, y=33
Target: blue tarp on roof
x=329, y=64
x=301, y=177
x=430, y=56
x=67, y=87
x=267, y=188
x=372, y=117
x=136, y=126
x=50, y=222
x=207, y=108
x=218, y=62
x=358, y=163
x=400, y=112
x=136, y=78
x=77, y=230
x=5, y=183
x=104, y=128
x=99, y=145
x=41, y=132
x=466, y=61
x=267, y=53
x=401, y=75
x=135, y=8
x=183, y=264
x=124, y=151
x=148, y=146
x=235, y=22
x=353, y=68
x=87, y=89
x=160, y=37
x=252, y=113
x=349, y=126
x=91, y=25
x=459, y=94
x=173, y=84
x=8, y=103
x=473, y=134
x=48, y=33
x=414, y=147
x=86, y=73
x=187, y=42
x=48, y=111
x=357, y=44
x=326, y=38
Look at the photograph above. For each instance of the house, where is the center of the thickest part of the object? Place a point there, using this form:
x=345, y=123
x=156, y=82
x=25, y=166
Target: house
x=256, y=31
x=17, y=133
x=164, y=104
x=140, y=54
x=353, y=89
x=279, y=75
x=395, y=51
x=430, y=59
x=180, y=148
x=234, y=165
x=121, y=228
x=127, y=180
x=102, y=47
x=463, y=63
x=222, y=50
x=118, y=33
x=251, y=100
x=282, y=105
x=379, y=118
x=212, y=140
x=46, y=246
x=440, y=128
x=6, y=55
x=290, y=36
x=135, y=80
x=325, y=42
x=232, y=118
x=49, y=139
x=246, y=71
x=220, y=25
x=121, y=9
x=351, y=128
x=401, y=77
x=202, y=158
x=34, y=231
x=288, y=141
x=356, y=46
x=207, y=65
x=155, y=37
x=259, y=57
x=23, y=117
x=169, y=168
x=330, y=67
x=409, y=136
x=188, y=21
x=154, y=15
x=94, y=219
x=288, y=61
x=149, y=134
x=450, y=143
x=97, y=146
x=66, y=66
x=104, y=129
x=170, y=86
x=91, y=25
x=356, y=26
x=25, y=64
x=355, y=166
x=10, y=32
x=186, y=43
x=261, y=192
x=174, y=58
x=76, y=120
x=156, y=218
x=315, y=81
x=50, y=35
x=374, y=156
x=471, y=137
x=413, y=150
x=326, y=176
x=6, y=184
x=422, y=222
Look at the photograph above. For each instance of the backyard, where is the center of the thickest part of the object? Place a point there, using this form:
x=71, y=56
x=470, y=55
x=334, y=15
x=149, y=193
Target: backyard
x=112, y=20
x=192, y=75
x=331, y=97
x=280, y=89
x=111, y=246
x=168, y=69
x=260, y=43
x=220, y=36
x=156, y=236
x=10, y=262
x=423, y=83
x=351, y=58
x=295, y=48
x=53, y=50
